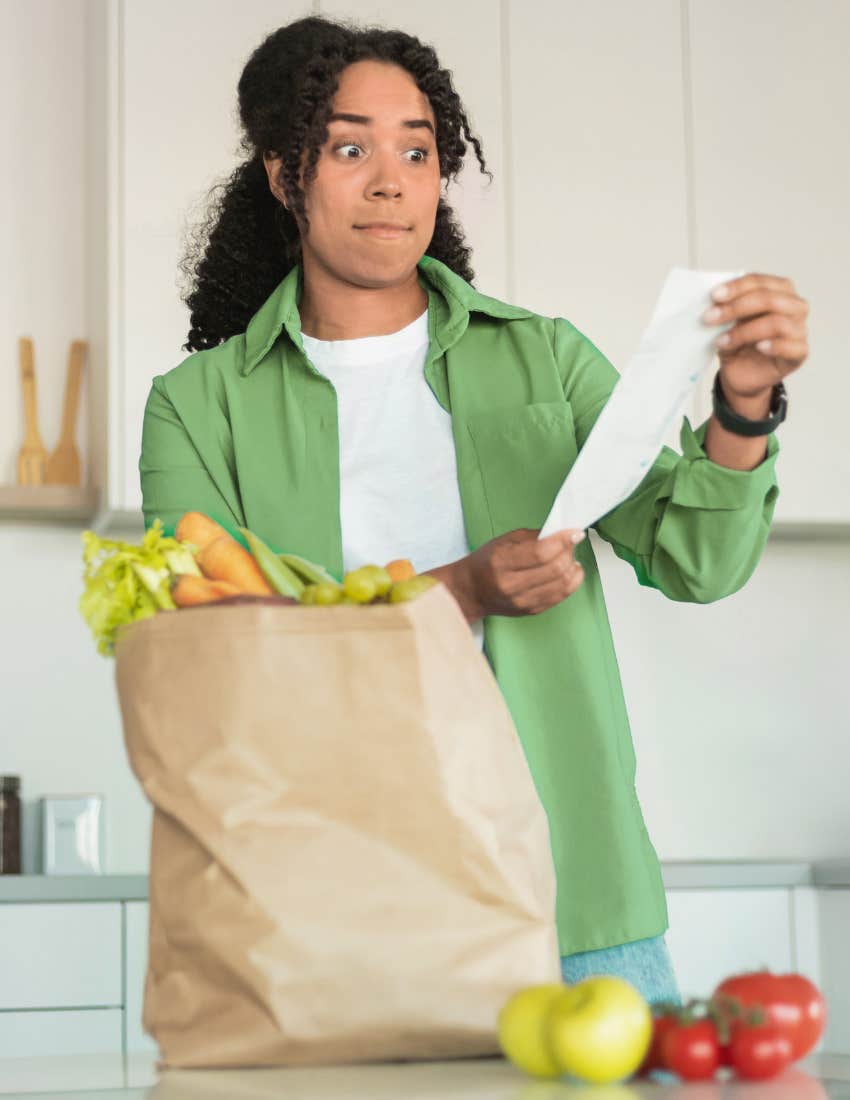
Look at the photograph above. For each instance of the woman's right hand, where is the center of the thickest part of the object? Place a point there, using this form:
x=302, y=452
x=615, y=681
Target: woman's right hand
x=515, y=574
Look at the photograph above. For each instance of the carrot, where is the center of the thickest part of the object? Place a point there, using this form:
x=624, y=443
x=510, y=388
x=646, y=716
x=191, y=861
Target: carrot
x=189, y=590
x=400, y=569
x=199, y=529
x=224, y=559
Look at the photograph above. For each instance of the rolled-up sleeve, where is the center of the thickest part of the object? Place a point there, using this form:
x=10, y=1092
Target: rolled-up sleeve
x=692, y=529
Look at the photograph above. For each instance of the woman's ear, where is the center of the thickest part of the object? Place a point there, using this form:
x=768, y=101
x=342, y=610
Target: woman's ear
x=272, y=163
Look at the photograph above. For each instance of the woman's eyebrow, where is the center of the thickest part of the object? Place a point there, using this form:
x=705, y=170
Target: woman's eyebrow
x=411, y=123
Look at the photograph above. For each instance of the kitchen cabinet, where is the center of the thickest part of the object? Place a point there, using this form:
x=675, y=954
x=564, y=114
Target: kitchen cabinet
x=61, y=988
x=163, y=127
x=753, y=97
x=159, y=161
x=714, y=933
x=833, y=923
x=60, y=956
x=617, y=196
x=598, y=210
x=90, y=1031
x=73, y=952
x=135, y=965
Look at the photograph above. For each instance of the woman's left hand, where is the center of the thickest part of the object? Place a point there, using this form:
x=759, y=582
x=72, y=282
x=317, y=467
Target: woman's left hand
x=764, y=308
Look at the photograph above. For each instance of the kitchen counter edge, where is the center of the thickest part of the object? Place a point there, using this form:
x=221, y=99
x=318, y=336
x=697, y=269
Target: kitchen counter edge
x=677, y=875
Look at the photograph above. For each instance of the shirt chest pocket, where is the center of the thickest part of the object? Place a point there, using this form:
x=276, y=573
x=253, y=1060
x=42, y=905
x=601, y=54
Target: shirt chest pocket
x=523, y=454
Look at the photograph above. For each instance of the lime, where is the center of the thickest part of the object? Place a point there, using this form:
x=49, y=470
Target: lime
x=402, y=591
x=327, y=592
x=360, y=585
x=383, y=581
x=308, y=595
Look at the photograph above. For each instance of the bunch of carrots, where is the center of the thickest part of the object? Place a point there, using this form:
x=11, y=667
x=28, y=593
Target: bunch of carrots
x=204, y=563
x=228, y=569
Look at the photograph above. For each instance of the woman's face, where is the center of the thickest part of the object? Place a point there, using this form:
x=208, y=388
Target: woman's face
x=382, y=167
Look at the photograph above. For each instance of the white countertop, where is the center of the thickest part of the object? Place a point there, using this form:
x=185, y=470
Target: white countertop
x=110, y=1077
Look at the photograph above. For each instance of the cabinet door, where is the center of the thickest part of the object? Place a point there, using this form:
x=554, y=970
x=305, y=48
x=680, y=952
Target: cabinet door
x=57, y=955
x=715, y=933
x=34, y=1034
x=770, y=116
x=177, y=135
x=596, y=163
x=136, y=962
x=834, y=920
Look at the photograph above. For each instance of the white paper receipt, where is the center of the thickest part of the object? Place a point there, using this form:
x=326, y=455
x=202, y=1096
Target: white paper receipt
x=675, y=350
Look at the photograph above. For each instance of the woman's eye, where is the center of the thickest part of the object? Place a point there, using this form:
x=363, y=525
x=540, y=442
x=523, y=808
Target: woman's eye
x=423, y=153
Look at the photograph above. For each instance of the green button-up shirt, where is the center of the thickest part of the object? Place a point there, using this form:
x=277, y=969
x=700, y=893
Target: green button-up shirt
x=247, y=432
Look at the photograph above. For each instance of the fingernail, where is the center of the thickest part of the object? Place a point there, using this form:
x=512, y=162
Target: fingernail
x=719, y=293
x=577, y=536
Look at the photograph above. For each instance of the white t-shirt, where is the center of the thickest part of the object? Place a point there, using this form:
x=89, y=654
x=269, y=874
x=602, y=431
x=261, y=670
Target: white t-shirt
x=399, y=495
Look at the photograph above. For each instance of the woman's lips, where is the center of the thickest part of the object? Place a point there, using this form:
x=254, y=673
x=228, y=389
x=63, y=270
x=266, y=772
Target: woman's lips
x=385, y=231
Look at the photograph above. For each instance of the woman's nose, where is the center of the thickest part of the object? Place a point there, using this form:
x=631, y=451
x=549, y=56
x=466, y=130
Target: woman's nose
x=386, y=179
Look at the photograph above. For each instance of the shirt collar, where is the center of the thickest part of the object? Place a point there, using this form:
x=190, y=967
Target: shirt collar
x=450, y=299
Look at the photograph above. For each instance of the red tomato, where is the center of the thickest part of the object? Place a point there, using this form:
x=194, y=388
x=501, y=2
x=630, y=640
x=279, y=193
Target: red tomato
x=759, y=1051
x=691, y=1050
x=790, y=1001
x=653, y=1060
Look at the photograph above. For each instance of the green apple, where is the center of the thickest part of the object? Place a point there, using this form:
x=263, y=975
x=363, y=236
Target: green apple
x=520, y=1029
x=598, y=1029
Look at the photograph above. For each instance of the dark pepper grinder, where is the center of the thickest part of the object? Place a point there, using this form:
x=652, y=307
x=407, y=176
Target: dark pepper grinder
x=10, y=825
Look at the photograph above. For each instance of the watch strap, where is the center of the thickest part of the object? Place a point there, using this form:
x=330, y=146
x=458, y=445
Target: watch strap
x=741, y=425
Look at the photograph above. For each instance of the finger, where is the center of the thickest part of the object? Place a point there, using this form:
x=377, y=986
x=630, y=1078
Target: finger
x=552, y=572
x=535, y=600
x=752, y=280
x=755, y=303
x=531, y=554
x=796, y=350
x=772, y=325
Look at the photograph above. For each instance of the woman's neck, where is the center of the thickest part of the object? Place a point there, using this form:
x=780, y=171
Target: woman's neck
x=333, y=310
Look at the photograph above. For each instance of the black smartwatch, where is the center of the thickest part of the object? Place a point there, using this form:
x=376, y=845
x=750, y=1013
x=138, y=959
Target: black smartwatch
x=740, y=425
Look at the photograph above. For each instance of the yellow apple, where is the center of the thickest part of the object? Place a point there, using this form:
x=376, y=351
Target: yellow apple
x=520, y=1029
x=598, y=1029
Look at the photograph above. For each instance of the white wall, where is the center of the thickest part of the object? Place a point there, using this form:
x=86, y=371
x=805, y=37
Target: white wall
x=739, y=709
x=61, y=729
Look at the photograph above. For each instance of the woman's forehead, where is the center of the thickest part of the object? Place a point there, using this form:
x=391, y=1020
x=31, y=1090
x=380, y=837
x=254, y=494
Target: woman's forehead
x=381, y=92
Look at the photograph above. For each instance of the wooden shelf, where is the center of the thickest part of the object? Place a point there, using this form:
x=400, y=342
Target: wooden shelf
x=50, y=503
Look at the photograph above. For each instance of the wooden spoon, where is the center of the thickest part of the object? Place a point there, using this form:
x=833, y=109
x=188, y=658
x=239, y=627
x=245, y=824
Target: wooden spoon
x=63, y=466
x=32, y=456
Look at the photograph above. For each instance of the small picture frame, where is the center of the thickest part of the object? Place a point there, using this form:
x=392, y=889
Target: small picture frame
x=73, y=834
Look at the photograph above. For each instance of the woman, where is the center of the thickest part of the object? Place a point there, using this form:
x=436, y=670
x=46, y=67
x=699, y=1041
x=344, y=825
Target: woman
x=351, y=397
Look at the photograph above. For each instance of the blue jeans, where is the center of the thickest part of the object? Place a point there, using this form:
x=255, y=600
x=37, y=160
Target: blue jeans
x=644, y=963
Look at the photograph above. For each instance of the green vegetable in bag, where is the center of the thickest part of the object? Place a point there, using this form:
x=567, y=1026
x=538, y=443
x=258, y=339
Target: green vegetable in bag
x=125, y=583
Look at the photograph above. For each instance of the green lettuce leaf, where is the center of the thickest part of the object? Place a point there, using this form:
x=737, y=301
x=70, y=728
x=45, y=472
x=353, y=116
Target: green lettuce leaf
x=125, y=583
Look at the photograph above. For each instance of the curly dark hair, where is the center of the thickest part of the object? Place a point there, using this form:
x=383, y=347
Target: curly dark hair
x=247, y=241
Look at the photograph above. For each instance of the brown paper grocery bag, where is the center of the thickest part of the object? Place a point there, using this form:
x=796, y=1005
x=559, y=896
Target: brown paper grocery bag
x=349, y=858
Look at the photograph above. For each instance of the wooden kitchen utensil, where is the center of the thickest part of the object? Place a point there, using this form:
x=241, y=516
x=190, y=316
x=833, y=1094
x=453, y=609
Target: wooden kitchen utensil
x=32, y=456
x=63, y=466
